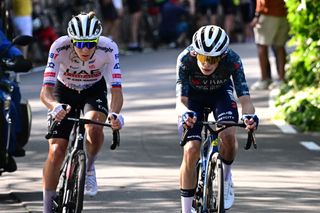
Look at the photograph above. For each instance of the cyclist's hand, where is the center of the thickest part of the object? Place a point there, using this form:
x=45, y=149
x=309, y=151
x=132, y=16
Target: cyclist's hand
x=251, y=120
x=189, y=118
x=116, y=120
x=59, y=111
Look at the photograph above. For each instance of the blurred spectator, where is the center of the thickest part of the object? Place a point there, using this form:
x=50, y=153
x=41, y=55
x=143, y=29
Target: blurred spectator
x=135, y=13
x=22, y=19
x=247, y=10
x=271, y=29
x=111, y=12
x=209, y=8
x=42, y=23
x=173, y=27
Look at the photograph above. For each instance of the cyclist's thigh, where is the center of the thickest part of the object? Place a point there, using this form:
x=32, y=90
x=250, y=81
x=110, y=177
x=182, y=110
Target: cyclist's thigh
x=66, y=96
x=224, y=105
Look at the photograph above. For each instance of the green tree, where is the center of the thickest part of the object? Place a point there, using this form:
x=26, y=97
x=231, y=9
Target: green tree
x=299, y=100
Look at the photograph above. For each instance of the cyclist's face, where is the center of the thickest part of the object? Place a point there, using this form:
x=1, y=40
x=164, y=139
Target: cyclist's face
x=207, y=68
x=84, y=54
x=85, y=48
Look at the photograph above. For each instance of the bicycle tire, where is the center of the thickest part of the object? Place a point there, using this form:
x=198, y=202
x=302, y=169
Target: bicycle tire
x=214, y=185
x=197, y=201
x=73, y=197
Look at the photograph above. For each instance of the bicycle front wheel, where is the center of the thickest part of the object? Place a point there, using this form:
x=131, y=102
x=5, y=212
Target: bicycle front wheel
x=73, y=198
x=214, y=185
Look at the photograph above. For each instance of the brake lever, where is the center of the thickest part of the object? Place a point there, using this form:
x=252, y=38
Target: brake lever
x=251, y=141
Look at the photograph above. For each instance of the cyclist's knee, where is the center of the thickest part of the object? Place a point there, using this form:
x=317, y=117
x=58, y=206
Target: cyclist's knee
x=94, y=131
x=191, y=152
x=228, y=137
x=56, y=153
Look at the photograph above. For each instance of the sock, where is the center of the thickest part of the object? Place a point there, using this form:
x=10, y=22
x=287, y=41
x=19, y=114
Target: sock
x=186, y=204
x=48, y=196
x=90, y=162
x=226, y=171
x=187, y=196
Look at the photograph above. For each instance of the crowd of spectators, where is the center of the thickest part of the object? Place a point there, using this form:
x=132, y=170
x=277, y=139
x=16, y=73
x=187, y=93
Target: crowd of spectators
x=137, y=25
x=131, y=23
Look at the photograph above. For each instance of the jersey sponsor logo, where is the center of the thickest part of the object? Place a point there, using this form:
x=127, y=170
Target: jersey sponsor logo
x=53, y=55
x=49, y=74
x=116, y=75
x=75, y=68
x=92, y=66
x=105, y=49
x=195, y=81
x=51, y=65
x=116, y=66
x=83, y=74
x=66, y=47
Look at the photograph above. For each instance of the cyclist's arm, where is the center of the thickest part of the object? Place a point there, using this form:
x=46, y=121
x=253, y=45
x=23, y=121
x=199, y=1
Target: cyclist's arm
x=116, y=100
x=246, y=105
x=50, y=76
x=47, y=97
x=182, y=85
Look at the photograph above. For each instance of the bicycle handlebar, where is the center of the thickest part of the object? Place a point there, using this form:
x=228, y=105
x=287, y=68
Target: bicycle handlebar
x=115, y=133
x=222, y=125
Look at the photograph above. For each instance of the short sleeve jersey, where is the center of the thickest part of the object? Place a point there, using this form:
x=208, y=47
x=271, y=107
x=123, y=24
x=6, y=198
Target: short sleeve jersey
x=64, y=65
x=191, y=81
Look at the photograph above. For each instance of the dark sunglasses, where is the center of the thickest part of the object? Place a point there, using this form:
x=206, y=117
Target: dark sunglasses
x=85, y=43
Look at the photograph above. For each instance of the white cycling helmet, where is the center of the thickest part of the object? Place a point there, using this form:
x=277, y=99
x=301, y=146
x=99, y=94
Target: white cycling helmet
x=210, y=40
x=84, y=26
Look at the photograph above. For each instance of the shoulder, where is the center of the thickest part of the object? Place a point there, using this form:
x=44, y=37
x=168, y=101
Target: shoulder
x=233, y=59
x=63, y=43
x=106, y=44
x=186, y=55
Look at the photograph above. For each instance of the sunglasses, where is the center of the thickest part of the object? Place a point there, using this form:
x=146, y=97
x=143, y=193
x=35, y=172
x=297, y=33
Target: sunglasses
x=209, y=59
x=85, y=43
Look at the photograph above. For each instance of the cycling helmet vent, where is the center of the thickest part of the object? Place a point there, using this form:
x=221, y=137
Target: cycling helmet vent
x=84, y=26
x=210, y=40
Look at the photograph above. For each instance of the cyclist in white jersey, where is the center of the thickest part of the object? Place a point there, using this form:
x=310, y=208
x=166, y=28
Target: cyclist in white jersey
x=79, y=66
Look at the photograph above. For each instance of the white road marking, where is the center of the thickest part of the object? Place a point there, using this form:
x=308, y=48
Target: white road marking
x=285, y=128
x=310, y=145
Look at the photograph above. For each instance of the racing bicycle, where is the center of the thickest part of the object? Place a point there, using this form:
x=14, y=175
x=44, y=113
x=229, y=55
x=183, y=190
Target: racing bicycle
x=209, y=195
x=70, y=190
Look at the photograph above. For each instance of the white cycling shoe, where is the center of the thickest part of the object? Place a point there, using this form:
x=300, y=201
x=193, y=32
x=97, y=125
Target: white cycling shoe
x=228, y=194
x=91, y=187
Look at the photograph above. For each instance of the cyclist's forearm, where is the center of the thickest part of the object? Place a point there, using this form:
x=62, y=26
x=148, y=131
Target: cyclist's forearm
x=116, y=100
x=182, y=104
x=47, y=97
x=246, y=105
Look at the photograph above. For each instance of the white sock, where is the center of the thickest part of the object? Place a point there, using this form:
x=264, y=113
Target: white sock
x=186, y=204
x=90, y=162
x=227, y=171
x=48, y=196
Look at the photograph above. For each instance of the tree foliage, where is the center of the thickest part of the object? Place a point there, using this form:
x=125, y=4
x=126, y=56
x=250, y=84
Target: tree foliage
x=299, y=100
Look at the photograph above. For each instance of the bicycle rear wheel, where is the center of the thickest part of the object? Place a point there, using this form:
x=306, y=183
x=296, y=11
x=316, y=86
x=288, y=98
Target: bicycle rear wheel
x=73, y=196
x=214, y=185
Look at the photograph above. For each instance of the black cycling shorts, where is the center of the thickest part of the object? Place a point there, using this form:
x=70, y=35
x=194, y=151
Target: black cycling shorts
x=221, y=102
x=93, y=98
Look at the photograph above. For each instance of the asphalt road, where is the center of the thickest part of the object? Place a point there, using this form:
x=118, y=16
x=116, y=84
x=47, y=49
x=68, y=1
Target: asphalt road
x=142, y=174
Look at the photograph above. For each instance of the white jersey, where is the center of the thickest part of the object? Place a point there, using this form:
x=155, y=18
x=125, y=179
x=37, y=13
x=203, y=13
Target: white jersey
x=65, y=65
